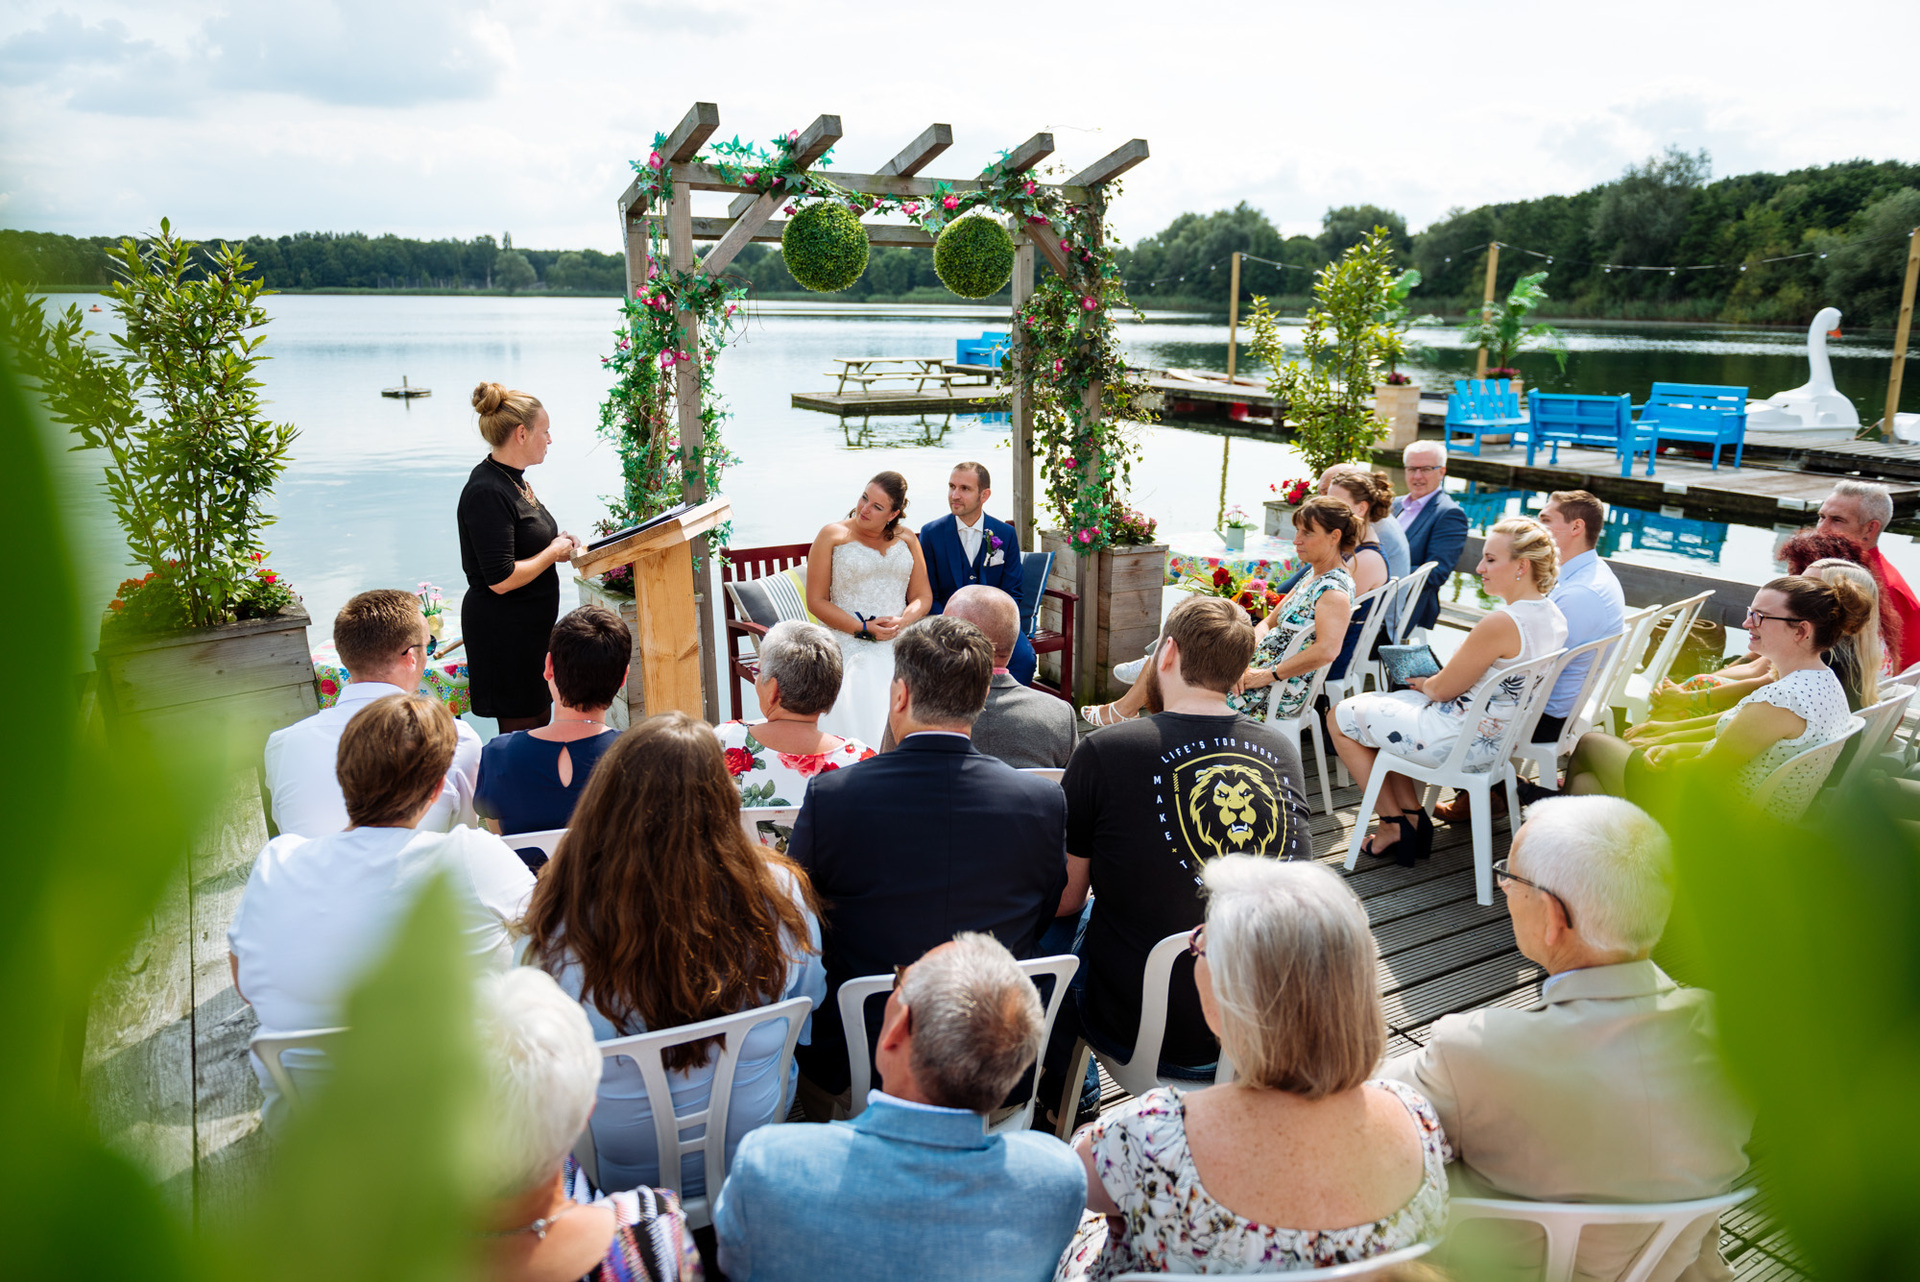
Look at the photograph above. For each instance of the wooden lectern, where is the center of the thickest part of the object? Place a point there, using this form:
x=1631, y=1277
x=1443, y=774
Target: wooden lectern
x=666, y=640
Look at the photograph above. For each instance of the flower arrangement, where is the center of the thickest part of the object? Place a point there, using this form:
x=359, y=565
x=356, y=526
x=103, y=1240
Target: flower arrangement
x=1250, y=592
x=1503, y=371
x=1294, y=492
x=1129, y=527
x=154, y=602
x=825, y=247
x=434, y=605
x=1236, y=519
x=1394, y=378
x=974, y=256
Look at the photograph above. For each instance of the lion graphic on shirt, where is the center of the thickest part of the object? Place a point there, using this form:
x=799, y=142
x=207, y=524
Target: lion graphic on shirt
x=1232, y=809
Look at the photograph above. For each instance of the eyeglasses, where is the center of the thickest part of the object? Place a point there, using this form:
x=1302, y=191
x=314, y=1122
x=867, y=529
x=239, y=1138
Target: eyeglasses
x=1505, y=874
x=899, y=973
x=1754, y=615
x=418, y=645
x=1196, y=942
x=1423, y=469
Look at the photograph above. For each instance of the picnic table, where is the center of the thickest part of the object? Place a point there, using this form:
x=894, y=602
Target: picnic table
x=868, y=370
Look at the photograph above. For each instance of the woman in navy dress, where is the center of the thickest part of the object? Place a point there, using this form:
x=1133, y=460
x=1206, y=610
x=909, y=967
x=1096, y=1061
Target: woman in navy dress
x=530, y=780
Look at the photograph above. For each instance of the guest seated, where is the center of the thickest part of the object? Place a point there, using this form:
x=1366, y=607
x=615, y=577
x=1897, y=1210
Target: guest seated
x=1307, y=1163
x=531, y=779
x=915, y=1187
x=930, y=838
x=1370, y=496
x=657, y=911
x=543, y=1221
x=1519, y=565
x=1860, y=510
x=1393, y=539
x=1025, y=728
x=1609, y=1088
x=772, y=760
x=382, y=640
x=1792, y=622
x=1858, y=660
x=317, y=911
x=1325, y=531
x=1435, y=525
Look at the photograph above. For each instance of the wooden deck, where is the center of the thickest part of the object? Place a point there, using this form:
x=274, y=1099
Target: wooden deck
x=959, y=400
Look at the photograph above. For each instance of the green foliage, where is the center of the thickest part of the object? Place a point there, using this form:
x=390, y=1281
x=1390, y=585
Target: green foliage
x=1345, y=343
x=1870, y=266
x=1642, y=217
x=825, y=247
x=190, y=457
x=1190, y=258
x=1399, y=318
x=1504, y=331
x=1341, y=229
x=512, y=272
x=974, y=256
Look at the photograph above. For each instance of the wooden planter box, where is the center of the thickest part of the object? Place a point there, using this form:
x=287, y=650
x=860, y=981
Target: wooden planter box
x=1397, y=406
x=1125, y=609
x=257, y=675
x=1279, y=519
x=593, y=592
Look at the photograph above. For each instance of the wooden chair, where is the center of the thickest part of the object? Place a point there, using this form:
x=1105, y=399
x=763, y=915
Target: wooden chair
x=742, y=565
x=1047, y=640
x=1563, y=1221
x=1696, y=413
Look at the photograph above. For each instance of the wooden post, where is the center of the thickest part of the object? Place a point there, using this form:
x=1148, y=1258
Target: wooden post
x=1020, y=405
x=1486, y=312
x=1086, y=646
x=686, y=396
x=1902, y=329
x=1233, y=314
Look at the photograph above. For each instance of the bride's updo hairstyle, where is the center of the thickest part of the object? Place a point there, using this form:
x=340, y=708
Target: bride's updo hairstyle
x=895, y=486
x=501, y=411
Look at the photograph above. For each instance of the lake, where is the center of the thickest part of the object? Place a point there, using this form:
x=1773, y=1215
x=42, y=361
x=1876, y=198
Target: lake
x=369, y=499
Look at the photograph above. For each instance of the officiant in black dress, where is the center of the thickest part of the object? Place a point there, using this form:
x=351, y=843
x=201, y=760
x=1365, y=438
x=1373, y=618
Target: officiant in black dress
x=509, y=546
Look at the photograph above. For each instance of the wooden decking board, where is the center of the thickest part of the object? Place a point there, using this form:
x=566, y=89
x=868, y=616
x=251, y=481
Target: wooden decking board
x=1463, y=989
x=1445, y=956
x=1463, y=914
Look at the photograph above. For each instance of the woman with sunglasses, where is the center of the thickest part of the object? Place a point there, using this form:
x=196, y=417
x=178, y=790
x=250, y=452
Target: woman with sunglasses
x=1793, y=621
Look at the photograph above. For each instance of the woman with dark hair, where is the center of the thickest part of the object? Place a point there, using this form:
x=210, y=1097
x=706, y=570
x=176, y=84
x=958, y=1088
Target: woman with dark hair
x=867, y=579
x=657, y=911
x=1324, y=533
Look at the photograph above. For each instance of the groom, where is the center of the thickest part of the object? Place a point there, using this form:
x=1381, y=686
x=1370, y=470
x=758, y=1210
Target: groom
x=971, y=547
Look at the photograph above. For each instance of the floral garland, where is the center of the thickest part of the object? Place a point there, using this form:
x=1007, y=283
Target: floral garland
x=1086, y=458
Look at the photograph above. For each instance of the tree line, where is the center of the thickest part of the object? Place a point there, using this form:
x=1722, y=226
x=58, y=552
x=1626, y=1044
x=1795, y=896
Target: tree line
x=1837, y=233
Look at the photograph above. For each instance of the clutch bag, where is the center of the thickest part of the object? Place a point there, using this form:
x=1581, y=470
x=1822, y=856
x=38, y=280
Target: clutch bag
x=1402, y=663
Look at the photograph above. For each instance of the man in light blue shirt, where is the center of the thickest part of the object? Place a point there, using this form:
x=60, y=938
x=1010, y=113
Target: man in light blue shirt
x=915, y=1187
x=1589, y=596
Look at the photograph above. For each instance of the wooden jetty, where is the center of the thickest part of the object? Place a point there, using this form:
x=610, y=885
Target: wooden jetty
x=959, y=400
x=406, y=391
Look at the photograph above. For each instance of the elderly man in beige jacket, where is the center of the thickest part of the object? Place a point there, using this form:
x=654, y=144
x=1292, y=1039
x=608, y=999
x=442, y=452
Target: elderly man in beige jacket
x=1607, y=1089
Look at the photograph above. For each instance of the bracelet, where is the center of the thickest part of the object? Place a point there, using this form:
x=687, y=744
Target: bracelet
x=863, y=634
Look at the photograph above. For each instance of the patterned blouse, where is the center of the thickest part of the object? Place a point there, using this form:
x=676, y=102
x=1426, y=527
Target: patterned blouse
x=1818, y=698
x=1289, y=617
x=769, y=778
x=1169, y=1223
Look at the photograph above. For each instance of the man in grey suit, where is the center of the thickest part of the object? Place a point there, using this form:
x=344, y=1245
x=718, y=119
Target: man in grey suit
x=1609, y=1088
x=1021, y=726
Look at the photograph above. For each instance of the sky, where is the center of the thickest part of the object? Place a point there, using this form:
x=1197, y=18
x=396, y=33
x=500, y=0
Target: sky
x=428, y=118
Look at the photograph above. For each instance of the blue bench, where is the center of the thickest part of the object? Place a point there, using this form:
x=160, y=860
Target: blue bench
x=1480, y=407
x=1588, y=422
x=985, y=350
x=1695, y=413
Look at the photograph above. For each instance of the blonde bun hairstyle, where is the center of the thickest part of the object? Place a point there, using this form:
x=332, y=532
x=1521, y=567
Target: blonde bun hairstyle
x=501, y=411
x=1529, y=541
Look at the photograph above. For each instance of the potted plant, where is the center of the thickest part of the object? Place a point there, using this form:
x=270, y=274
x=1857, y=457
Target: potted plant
x=190, y=461
x=1396, y=397
x=1290, y=495
x=1503, y=329
x=1130, y=576
x=1233, y=528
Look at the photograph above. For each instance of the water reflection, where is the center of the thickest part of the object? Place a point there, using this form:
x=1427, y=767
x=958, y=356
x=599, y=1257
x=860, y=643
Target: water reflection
x=1667, y=534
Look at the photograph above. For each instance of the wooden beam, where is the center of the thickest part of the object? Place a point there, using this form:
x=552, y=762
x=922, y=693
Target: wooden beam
x=879, y=235
x=817, y=139
x=691, y=134
x=706, y=178
x=914, y=156
x=686, y=396
x=1902, y=327
x=1020, y=410
x=1027, y=154
x=813, y=144
x=1111, y=165
x=1046, y=238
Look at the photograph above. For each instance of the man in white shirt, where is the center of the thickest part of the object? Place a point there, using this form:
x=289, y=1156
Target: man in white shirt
x=319, y=912
x=382, y=640
x=1589, y=595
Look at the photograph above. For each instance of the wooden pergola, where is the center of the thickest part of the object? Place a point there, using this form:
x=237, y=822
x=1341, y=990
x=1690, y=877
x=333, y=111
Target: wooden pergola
x=751, y=218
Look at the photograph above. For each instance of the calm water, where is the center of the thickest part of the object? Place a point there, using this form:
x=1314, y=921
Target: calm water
x=369, y=499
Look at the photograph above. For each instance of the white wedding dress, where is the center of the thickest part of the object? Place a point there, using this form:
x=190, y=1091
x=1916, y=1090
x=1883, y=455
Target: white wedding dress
x=874, y=584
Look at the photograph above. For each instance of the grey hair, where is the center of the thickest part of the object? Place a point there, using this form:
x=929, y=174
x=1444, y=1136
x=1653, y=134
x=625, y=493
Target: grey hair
x=991, y=610
x=1434, y=448
x=976, y=1022
x=543, y=1075
x=1610, y=863
x=1874, y=501
x=805, y=659
x=1293, y=964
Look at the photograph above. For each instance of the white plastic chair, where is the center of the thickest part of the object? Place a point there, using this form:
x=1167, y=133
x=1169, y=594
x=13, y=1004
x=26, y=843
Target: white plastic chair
x=1140, y=1072
x=1880, y=722
x=1304, y=725
x=1338, y=688
x=1358, y=1269
x=1563, y=1221
x=271, y=1046
x=1815, y=762
x=1054, y=773
x=645, y=1050
x=1589, y=706
x=1406, y=591
x=1636, y=692
x=1396, y=608
x=1453, y=773
x=853, y=1004
x=547, y=839
x=752, y=816
x=1635, y=629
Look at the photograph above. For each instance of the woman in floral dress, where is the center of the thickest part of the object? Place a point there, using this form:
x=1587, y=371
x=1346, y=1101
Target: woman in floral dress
x=1324, y=531
x=772, y=759
x=1307, y=1162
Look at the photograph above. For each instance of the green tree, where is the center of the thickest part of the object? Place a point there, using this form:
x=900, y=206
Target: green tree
x=1343, y=228
x=1641, y=218
x=512, y=272
x=1867, y=264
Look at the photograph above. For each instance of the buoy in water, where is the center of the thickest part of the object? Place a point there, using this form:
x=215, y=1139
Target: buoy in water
x=406, y=391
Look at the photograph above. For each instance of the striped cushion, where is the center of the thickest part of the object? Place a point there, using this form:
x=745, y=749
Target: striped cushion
x=778, y=596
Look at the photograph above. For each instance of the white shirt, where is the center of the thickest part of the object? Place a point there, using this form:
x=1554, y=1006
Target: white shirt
x=306, y=791
x=970, y=535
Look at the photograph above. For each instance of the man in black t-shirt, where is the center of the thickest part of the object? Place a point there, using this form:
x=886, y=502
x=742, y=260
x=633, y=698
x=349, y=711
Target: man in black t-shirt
x=1149, y=802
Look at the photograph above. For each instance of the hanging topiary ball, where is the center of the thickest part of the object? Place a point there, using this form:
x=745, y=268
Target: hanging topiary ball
x=974, y=256
x=825, y=247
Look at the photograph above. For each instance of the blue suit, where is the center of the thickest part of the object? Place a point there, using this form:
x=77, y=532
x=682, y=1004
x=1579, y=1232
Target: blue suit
x=948, y=570
x=1438, y=533
x=898, y=1192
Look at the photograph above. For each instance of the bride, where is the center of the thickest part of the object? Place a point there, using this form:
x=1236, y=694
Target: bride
x=866, y=579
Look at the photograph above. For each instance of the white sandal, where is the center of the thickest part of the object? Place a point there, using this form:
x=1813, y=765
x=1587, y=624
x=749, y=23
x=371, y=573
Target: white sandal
x=1101, y=715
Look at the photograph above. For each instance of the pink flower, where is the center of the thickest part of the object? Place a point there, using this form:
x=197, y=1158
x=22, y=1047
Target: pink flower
x=750, y=179
x=1035, y=218
x=1065, y=248
x=666, y=360
x=793, y=135
x=653, y=160
x=639, y=291
x=1059, y=366
x=680, y=356
x=912, y=207
x=790, y=211
x=732, y=308
x=653, y=269
x=1073, y=462
x=951, y=202
x=1086, y=536
x=1027, y=187
x=1088, y=303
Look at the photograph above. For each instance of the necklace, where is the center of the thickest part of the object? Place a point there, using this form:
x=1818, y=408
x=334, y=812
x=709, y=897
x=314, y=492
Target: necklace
x=519, y=482
x=579, y=721
x=538, y=1228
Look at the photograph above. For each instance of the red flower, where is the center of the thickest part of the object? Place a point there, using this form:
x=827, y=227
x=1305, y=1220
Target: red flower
x=1222, y=576
x=807, y=766
x=739, y=761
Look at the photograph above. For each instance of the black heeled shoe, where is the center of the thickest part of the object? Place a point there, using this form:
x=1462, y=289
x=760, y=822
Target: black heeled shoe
x=1402, y=852
x=1423, y=835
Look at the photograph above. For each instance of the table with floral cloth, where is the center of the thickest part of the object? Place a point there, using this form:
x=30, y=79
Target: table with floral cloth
x=1264, y=556
x=445, y=679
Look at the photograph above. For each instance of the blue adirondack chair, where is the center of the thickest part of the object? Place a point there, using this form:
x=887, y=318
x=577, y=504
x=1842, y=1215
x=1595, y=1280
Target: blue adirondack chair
x=1480, y=407
x=985, y=350
x=1589, y=422
x=1692, y=412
